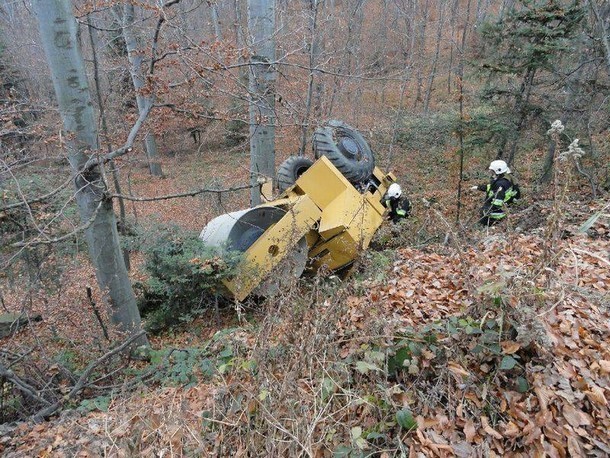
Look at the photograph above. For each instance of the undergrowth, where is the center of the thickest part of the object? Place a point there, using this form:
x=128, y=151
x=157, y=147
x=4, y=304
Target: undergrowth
x=184, y=277
x=313, y=384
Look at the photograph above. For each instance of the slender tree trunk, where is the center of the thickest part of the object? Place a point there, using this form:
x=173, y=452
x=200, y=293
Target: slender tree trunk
x=58, y=30
x=521, y=108
x=439, y=32
x=355, y=54
x=320, y=46
x=603, y=31
x=113, y=168
x=452, y=22
x=215, y=21
x=461, y=131
x=240, y=41
x=314, y=51
x=399, y=114
x=507, y=5
x=237, y=126
x=261, y=25
x=134, y=55
x=350, y=49
x=547, y=169
x=421, y=46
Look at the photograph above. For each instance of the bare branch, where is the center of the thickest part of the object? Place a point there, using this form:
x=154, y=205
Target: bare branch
x=28, y=202
x=183, y=194
x=153, y=58
x=71, y=234
x=126, y=148
x=83, y=379
x=24, y=387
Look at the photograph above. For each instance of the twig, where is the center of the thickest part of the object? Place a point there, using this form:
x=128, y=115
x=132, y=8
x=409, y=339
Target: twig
x=81, y=382
x=126, y=148
x=593, y=255
x=63, y=237
x=37, y=199
x=19, y=383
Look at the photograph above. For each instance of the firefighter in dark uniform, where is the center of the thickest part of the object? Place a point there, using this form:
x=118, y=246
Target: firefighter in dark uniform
x=500, y=192
x=400, y=207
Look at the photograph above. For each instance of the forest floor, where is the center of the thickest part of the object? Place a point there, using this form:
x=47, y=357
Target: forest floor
x=444, y=342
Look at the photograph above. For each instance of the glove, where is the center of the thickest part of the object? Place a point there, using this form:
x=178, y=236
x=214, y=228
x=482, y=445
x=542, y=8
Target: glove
x=474, y=188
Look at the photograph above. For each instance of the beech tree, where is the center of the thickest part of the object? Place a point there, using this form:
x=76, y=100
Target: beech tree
x=261, y=25
x=59, y=33
x=136, y=59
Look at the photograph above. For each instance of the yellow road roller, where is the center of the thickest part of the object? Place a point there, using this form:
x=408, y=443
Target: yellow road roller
x=326, y=214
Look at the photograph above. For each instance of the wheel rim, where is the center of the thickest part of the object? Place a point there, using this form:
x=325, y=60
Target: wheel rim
x=301, y=170
x=349, y=148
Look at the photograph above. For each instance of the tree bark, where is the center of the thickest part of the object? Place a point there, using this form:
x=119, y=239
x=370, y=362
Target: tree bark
x=104, y=125
x=215, y=21
x=521, y=103
x=58, y=30
x=137, y=76
x=261, y=25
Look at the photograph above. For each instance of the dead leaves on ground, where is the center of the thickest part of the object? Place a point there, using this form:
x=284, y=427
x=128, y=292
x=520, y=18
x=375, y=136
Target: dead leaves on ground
x=563, y=412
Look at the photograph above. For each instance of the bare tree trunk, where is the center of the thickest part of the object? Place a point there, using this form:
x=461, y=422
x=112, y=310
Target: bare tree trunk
x=421, y=47
x=461, y=131
x=399, y=114
x=58, y=30
x=481, y=12
x=603, y=32
x=452, y=21
x=215, y=21
x=507, y=5
x=134, y=55
x=314, y=53
x=354, y=47
x=547, y=169
x=261, y=25
x=237, y=126
x=240, y=40
x=113, y=168
x=439, y=33
x=520, y=107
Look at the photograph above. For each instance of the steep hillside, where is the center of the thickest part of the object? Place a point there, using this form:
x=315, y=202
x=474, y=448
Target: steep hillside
x=495, y=343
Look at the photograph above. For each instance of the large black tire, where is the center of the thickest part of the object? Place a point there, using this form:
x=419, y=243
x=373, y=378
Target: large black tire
x=290, y=170
x=346, y=149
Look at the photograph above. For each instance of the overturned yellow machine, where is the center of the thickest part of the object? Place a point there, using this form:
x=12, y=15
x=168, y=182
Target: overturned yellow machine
x=324, y=217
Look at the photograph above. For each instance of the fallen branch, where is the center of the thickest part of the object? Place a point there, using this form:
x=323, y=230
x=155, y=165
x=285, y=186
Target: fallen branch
x=24, y=387
x=82, y=381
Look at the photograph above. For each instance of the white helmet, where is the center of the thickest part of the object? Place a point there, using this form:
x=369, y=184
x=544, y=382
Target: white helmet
x=499, y=167
x=394, y=190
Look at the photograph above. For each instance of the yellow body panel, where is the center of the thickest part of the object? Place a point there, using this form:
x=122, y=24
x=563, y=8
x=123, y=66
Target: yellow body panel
x=264, y=254
x=336, y=219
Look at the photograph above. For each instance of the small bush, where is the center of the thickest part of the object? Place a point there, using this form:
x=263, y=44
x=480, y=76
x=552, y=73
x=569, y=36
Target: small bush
x=184, y=277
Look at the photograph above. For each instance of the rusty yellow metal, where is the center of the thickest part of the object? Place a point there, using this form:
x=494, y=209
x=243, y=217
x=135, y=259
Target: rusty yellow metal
x=268, y=251
x=337, y=220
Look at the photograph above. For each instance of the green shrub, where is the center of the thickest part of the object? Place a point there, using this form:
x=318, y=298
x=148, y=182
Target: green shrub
x=184, y=276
